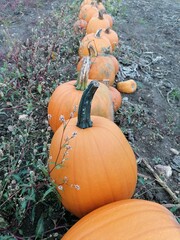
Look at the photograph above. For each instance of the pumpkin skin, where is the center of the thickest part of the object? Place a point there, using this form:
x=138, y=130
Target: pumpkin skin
x=66, y=97
x=116, y=98
x=112, y=36
x=116, y=63
x=87, y=12
x=128, y=86
x=80, y=26
x=98, y=42
x=102, y=67
x=96, y=23
x=115, y=95
x=132, y=219
x=110, y=19
x=104, y=175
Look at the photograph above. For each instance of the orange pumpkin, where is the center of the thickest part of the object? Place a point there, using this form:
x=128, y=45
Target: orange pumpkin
x=88, y=11
x=67, y=95
x=112, y=36
x=80, y=26
x=99, y=43
x=101, y=166
x=97, y=22
x=99, y=4
x=102, y=67
x=128, y=86
x=124, y=220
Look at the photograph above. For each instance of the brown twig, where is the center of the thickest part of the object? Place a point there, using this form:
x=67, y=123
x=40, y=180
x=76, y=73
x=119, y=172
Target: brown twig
x=169, y=205
x=144, y=176
x=161, y=182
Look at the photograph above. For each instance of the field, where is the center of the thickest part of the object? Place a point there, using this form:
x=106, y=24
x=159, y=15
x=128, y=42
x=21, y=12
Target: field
x=38, y=51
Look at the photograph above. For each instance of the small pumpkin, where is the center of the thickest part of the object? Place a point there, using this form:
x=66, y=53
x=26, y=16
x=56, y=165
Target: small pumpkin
x=115, y=94
x=128, y=86
x=67, y=95
x=97, y=22
x=102, y=66
x=98, y=42
x=80, y=26
x=88, y=11
x=127, y=219
x=112, y=36
x=101, y=166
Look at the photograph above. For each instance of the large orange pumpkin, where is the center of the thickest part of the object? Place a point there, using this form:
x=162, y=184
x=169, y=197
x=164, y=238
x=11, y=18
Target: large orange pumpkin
x=99, y=43
x=127, y=220
x=67, y=95
x=97, y=22
x=102, y=67
x=100, y=167
x=99, y=4
x=88, y=11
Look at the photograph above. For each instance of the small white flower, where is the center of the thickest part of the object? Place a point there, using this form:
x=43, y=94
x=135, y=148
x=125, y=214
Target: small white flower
x=31, y=173
x=68, y=147
x=61, y=118
x=74, y=134
x=49, y=116
x=60, y=187
x=13, y=182
x=65, y=179
x=23, y=117
x=77, y=187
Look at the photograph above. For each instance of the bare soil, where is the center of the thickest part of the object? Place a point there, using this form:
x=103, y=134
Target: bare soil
x=149, y=32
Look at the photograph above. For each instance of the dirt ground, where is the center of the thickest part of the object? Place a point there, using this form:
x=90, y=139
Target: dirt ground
x=149, y=33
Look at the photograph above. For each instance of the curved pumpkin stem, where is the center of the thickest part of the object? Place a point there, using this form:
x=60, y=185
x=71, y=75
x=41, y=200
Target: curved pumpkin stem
x=82, y=79
x=92, y=51
x=98, y=33
x=100, y=16
x=107, y=30
x=84, y=113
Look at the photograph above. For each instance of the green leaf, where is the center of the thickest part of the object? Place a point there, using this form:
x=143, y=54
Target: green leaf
x=50, y=190
x=40, y=227
x=39, y=88
x=174, y=209
x=141, y=180
x=3, y=223
x=33, y=214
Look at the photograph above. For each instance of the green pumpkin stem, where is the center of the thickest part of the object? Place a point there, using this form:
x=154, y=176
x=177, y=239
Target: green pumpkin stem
x=100, y=16
x=107, y=30
x=84, y=112
x=82, y=79
x=92, y=52
x=98, y=33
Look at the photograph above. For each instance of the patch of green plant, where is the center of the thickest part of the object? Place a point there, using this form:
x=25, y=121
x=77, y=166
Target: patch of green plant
x=174, y=95
x=113, y=7
x=30, y=206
